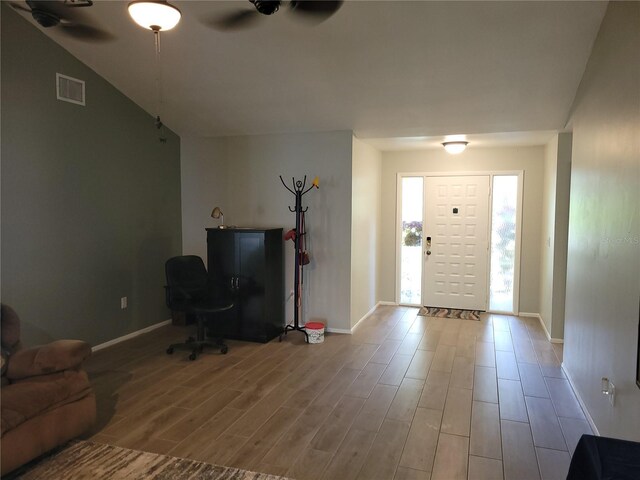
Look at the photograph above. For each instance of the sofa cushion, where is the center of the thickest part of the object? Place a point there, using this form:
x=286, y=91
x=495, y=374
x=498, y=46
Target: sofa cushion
x=25, y=399
x=52, y=357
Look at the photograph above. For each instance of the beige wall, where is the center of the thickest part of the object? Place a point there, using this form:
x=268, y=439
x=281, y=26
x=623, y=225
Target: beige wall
x=204, y=172
x=365, y=228
x=553, y=246
x=603, y=265
x=251, y=195
x=561, y=232
x=528, y=159
x=547, y=232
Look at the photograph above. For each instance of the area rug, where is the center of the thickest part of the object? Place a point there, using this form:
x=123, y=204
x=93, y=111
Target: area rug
x=81, y=460
x=450, y=313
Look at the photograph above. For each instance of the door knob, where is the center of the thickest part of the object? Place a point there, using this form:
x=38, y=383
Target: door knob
x=428, y=252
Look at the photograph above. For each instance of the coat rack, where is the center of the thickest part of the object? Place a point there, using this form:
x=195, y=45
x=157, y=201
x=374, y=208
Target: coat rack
x=299, y=189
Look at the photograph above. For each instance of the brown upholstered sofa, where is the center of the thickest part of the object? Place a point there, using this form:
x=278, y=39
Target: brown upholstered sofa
x=46, y=396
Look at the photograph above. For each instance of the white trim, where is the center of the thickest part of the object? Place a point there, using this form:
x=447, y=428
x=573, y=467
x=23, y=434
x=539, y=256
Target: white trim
x=384, y=302
x=592, y=424
x=366, y=315
x=519, y=219
x=338, y=330
x=471, y=173
x=398, y=228
x=544, y=327
x=517, y=260
x=130, y=335
x=67, y=99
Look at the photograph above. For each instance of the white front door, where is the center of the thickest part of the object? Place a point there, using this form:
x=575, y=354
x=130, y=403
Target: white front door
x=455, y=237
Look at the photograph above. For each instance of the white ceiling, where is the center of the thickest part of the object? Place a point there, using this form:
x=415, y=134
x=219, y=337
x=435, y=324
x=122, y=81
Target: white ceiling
x=382, y=69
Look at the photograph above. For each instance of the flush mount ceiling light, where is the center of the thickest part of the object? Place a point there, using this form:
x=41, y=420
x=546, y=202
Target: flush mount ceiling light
x=156, y=16
x=455, y=147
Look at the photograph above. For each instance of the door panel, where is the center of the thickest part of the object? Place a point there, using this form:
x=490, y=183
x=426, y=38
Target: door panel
x=456, y=219
x=251, y=281
x=221, y=267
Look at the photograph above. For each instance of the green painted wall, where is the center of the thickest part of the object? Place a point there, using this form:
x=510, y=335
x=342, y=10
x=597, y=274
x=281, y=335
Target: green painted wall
x=90, y=198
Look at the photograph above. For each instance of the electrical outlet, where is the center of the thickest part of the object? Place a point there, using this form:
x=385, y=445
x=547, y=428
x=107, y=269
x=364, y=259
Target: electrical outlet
x=123, y=303
x=609, y=389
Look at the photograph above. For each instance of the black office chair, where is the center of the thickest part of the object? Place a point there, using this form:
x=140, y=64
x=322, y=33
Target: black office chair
x=188, y=291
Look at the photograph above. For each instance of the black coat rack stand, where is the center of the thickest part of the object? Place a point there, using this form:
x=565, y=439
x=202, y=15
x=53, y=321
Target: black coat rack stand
x=299, y=189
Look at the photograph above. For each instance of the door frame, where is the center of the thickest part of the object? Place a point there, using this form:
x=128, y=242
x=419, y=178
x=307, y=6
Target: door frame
x=491, y=174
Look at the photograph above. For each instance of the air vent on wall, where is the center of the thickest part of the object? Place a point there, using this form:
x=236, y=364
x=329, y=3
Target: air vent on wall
x=70, y=89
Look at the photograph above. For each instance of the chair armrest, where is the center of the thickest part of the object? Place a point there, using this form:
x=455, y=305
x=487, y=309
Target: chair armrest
x=53, y=357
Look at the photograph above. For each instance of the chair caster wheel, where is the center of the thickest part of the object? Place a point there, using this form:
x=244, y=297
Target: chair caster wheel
x=169, y=351
x=193, y=356
x=224, y=350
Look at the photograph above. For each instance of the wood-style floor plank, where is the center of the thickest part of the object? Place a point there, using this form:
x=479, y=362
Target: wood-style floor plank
x=452, y=457
x=385, y=452
x=518, y=452
x=420, y=448
x=405, y=397
x=348, y=461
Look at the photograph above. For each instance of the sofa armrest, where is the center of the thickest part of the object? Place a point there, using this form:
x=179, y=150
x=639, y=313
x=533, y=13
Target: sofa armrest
x=53, y=357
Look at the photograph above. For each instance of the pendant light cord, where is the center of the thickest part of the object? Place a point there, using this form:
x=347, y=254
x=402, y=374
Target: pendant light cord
x=159, y=124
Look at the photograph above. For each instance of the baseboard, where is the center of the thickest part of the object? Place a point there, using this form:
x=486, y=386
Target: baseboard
x=544, y=327
x=130, y=335
x=384, y=302
x=366, y=315
x=338, y=330
x=582, y=404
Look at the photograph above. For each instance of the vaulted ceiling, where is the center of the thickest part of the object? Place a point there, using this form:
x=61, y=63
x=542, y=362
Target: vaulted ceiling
x=381, y=69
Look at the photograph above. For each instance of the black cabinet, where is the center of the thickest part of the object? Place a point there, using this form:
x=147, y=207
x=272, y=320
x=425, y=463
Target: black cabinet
x=248, y=264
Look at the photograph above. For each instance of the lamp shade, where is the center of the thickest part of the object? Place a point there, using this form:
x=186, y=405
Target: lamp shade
x=455, y=147
x=216, y=213
x=158, y=15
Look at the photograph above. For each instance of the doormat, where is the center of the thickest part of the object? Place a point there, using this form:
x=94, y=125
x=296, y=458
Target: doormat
x=88, y=460
x=450, y=313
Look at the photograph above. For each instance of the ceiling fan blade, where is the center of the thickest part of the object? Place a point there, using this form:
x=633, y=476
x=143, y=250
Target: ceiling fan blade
x=233, y=21
x=86, y=33
x=319, y=9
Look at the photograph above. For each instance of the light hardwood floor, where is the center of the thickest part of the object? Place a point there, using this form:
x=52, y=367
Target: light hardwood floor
x=404, y=397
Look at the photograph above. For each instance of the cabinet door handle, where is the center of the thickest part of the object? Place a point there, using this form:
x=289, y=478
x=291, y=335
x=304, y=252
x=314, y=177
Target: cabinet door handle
x=232, y=285
x=237, y=283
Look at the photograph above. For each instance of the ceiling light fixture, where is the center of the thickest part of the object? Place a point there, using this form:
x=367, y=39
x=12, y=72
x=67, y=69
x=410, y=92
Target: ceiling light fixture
x=455, y=147
x=156, y=16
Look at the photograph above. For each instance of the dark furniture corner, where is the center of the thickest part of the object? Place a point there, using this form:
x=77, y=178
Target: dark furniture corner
x=189, y=291
x=602, y=458
x=249, y=263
